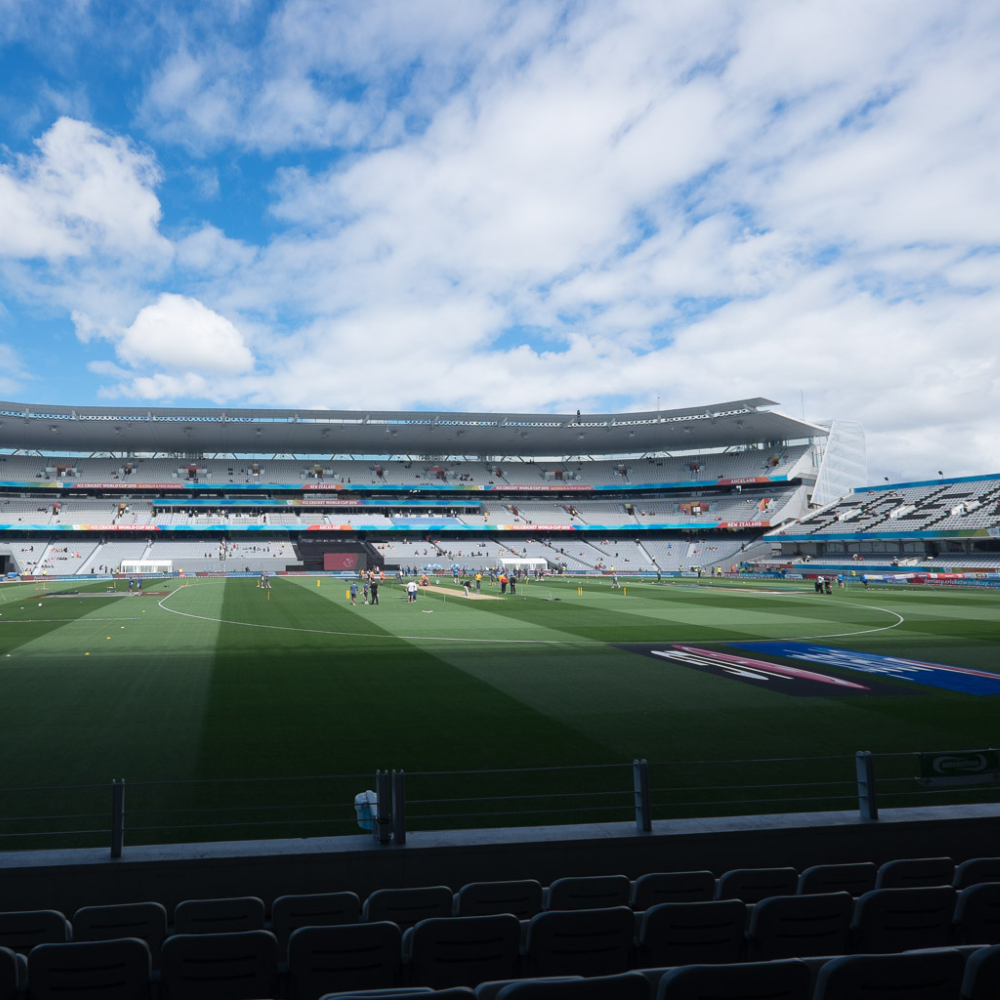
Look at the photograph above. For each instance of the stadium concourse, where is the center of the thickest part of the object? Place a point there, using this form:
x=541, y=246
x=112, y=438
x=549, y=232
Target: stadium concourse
x=86, y=491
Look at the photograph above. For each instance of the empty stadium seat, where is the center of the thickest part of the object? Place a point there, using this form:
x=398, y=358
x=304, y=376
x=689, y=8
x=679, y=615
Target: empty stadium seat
x=408, y=906
x=587, y=893
x=977, y=914
x=580, y=942
x=856, y=879
x=111, y=970
x=976, y=870
x=342, y=958
x=928, y=975
x=910, y=873
x=798, y=926
x=671, y=887
x=219, y=916
x=891, y=920
x=22, y=930
x=706, y=933
x=405, y=993
x=463, y=951
x=11, y=974
x=626, y=986
x=754, y=884
x=232, y=966
x=320, y=909
x=981, y=978
x=146, y=921
x=789, y=979
x=522, y=897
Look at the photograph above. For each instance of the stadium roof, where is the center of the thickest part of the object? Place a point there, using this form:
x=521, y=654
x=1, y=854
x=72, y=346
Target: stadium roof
x=63, y=429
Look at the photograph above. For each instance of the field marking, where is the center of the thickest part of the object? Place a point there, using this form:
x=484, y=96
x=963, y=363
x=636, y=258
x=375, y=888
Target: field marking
x=63, y=621
x=529, y=642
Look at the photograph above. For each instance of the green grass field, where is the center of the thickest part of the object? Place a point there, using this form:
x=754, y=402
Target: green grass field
x=208, y=679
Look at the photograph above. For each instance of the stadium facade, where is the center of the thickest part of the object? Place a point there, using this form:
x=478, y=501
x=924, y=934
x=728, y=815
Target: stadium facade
x=88, y=489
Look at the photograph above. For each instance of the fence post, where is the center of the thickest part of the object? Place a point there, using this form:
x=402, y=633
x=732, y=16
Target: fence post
x=643, y=805
x=399, y=807
x=867, y=795
x=382, y=828
x=117, y=816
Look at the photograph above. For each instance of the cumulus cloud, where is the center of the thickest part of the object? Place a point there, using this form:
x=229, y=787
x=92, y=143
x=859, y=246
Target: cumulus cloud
x=181, y=334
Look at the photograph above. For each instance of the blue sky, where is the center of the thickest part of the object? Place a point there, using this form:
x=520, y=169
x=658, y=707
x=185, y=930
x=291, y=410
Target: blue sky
x=520, y=205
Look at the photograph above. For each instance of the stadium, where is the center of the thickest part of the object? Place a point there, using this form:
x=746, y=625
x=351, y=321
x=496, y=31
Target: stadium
x=620, y=680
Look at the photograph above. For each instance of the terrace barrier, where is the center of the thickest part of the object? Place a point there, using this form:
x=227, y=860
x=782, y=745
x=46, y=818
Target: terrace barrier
x=641, y=793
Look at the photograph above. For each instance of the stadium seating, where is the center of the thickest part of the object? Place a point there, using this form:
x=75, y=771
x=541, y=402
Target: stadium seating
x=457, y=951
x=120, y=969
x=236, y=965
x=889, y=920
x=523, y=898
x=935, y=975
x=706, y=933
x=344, y=957
x=145, y=921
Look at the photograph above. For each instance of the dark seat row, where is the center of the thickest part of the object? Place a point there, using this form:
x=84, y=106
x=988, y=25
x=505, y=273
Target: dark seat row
x=120, y=970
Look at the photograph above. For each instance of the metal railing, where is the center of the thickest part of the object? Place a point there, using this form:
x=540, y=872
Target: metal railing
x=639, y=793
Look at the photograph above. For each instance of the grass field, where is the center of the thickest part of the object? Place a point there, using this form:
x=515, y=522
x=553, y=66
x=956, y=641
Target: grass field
x=210, y=679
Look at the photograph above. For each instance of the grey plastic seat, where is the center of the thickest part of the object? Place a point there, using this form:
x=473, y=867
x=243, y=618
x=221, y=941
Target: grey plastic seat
x=344, y=958
x=981, y=979
x=219, y=916
x=977, y=914
x=12, y=974
x=800, y=926
x=110, y=970
x=407, y=907
x=580, y=942
x=319, y=909
x=891, y=920
x=976, y=870
x=22, y=930
x=706, y=933
x=754, y=884
x=146, y=921
x=671, y=887
x=588, y=893
x=626, y=986
x=522, y=897
x=490, y=990
x=857, y=879
x=463, y=951
x=232, y=966
x=789, y=979
x=405, y=993
x=929, y=975
x=911, y=873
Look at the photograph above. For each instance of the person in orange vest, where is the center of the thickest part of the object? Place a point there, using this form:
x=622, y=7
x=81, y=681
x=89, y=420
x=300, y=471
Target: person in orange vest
x=503, y=583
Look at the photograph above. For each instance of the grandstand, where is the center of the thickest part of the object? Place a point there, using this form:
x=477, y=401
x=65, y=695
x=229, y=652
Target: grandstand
x=200, y=484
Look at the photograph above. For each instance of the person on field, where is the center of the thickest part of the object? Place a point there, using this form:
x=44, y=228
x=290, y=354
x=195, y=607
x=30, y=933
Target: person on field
x=513, y=583
x=374, y=590
x=354, y=594
x=479, y=583
x=411, y=592
x=367, y=585
x=503, y=584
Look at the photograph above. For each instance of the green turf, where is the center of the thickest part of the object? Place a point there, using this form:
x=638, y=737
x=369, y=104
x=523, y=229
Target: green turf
x=217, y=679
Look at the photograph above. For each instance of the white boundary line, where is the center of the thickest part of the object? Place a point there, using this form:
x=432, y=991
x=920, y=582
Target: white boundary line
x=521, y=642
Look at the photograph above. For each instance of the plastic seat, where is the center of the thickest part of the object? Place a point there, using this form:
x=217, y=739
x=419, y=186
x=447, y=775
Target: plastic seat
x=754, y=884
x=627, y=986
x=977, y=914
x=12, y=974
x=320, y=909
x=976, y=870
x=789, y=979
x=580, y=942
x=981, y=979
x=891, y=920
x=588, y=893
x=935, y=975
x=405, y=993
x=857, y=879
x=22, y=930
x=343, y=958
x=146, y=921
x=910, y=873
x=463, y=951
x=219, y=916
x=407, y=907
x=800, y=926
x=671, y=887
x=232, y=966
x=522, y=897
x=684, y=933
x=490, y=990
x=111, y=970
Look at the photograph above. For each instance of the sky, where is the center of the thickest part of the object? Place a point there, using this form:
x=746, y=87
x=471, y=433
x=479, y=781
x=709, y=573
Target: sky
x=545, y=205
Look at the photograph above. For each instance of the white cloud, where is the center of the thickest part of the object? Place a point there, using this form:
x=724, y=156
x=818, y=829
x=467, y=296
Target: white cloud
x=182, y=335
